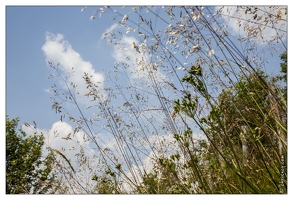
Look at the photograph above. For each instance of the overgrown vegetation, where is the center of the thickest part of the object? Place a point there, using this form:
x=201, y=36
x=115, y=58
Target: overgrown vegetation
x=191, y=108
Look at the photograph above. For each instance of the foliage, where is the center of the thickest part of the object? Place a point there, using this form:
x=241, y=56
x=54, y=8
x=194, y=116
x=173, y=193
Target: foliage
x=106, y=184
x=26, y=170
x=283, y=77
x=284, y=66
x=250, y=149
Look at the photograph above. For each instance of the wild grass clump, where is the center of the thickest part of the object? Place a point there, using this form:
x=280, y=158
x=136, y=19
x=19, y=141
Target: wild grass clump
x=190, y=110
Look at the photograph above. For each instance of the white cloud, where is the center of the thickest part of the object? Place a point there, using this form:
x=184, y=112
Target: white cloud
x=232, y=14
x=61, y=130
x=132, y=52
x=58, y=50
x=55, y=139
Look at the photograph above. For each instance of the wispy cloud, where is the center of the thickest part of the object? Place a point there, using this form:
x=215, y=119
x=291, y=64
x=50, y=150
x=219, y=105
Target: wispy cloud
x=233, y=15
x=110, y=29
x=58, y=50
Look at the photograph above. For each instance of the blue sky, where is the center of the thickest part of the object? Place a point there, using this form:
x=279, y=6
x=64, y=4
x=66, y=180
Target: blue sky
x=27, y=69
x=36, y=35
x=63, y=34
